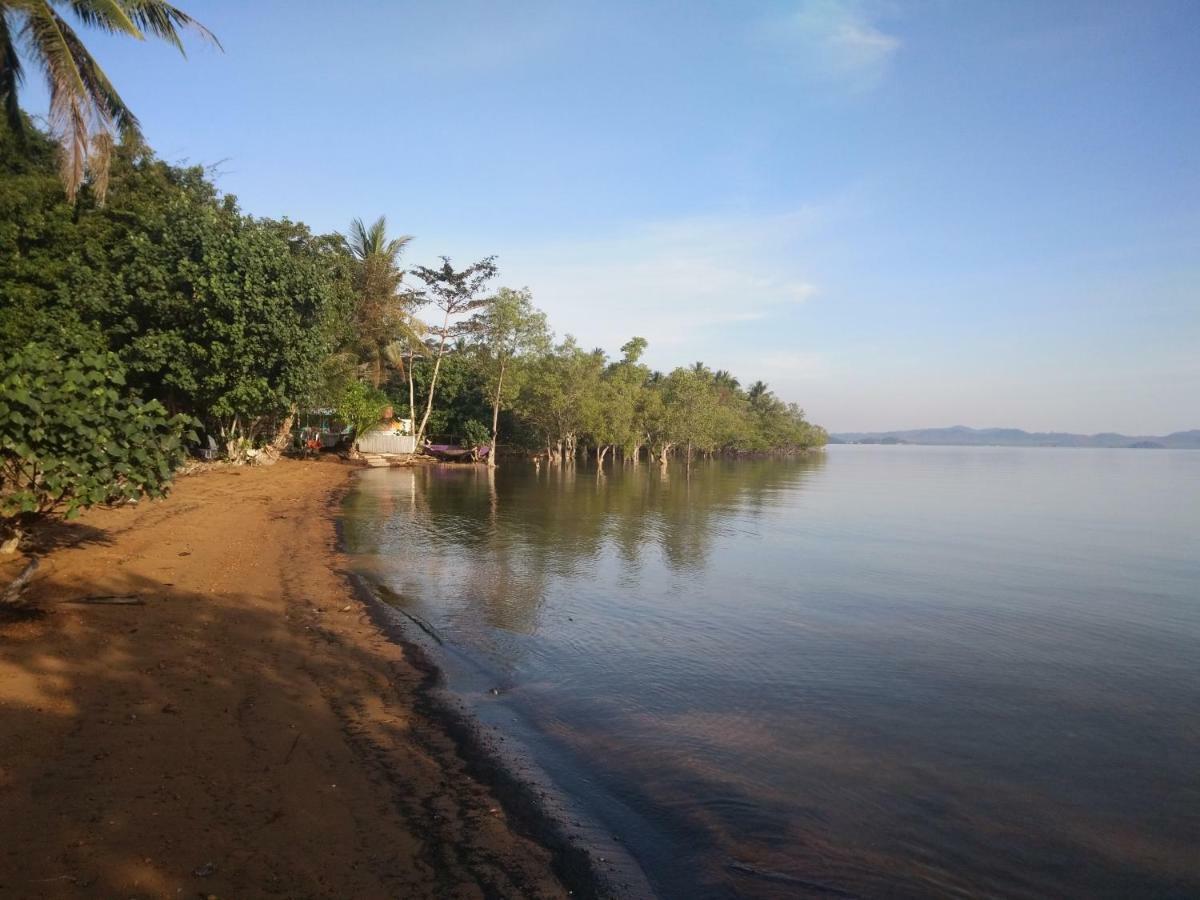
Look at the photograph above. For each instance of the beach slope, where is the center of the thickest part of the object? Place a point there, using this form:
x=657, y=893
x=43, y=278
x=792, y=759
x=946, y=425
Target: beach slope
x=240, y=728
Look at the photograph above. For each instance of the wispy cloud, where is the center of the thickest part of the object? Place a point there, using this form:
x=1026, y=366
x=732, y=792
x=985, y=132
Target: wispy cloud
x=676, y=282
x=835, y=42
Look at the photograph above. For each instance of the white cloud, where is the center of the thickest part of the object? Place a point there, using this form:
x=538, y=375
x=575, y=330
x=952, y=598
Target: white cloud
x=832, y=42
x=675, y=282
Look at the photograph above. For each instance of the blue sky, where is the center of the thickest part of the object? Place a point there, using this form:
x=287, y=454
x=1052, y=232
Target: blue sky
x=899, y=214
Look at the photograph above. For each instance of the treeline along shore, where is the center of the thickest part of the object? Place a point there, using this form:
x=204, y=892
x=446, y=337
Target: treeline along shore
x=229, y=326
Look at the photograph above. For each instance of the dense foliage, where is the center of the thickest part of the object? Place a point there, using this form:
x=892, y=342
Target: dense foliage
x=215, y=314
x=72, y=435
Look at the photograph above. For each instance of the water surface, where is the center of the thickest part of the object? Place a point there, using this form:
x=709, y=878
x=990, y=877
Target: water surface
x=878, y=671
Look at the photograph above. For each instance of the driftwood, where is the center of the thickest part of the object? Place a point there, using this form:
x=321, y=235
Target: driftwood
x=392, y=599
x=12, y=593
x=119, y=600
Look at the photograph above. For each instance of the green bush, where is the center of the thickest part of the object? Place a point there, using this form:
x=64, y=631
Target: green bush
x=476, y=434
x=361, y=407
x=72, y=436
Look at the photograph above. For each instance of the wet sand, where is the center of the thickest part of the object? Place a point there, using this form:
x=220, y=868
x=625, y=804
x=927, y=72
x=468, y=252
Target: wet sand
x=244, y=730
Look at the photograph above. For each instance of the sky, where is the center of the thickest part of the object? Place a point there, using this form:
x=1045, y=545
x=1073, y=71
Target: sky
x=898, y=214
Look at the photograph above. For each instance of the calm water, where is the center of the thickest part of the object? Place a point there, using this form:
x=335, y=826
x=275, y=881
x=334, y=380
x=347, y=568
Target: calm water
x=884, y=671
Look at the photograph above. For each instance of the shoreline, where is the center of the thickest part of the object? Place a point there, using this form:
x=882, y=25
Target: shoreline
x=533, y=804
x=532, y=801
x=245, y=727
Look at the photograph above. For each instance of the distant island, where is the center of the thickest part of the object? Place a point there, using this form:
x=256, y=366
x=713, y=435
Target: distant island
x=961, y=436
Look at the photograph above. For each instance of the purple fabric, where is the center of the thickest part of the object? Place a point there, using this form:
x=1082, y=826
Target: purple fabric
x=450, y=451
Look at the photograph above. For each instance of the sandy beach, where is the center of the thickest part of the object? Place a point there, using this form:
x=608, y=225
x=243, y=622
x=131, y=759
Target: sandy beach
x=240, y=729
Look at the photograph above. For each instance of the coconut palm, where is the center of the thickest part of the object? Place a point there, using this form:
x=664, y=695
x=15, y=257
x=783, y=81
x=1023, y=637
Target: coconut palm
x=758, y=391
x=382, y=311
x=370, y=243
x=86, y=112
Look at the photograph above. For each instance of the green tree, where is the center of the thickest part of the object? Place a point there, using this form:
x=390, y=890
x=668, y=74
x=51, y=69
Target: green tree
x=689, y=418
x=628, y=397
x=506, y=329
x=72, y=435
x=456, y=294
x=361, y=407
x=461, y=390
x=86, y=112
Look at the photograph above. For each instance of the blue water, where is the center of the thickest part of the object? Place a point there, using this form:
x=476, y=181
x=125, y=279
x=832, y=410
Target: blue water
x=879, y=671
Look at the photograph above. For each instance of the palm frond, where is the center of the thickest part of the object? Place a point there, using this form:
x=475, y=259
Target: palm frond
x=83, y=101
x=45, y=31
x=11, y=75
x=164, y=21
x=110, y=109
x=107, y=15
x=99, y=163
x=356, y=238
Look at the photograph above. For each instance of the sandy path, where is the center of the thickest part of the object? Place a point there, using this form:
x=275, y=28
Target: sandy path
x=248, y=717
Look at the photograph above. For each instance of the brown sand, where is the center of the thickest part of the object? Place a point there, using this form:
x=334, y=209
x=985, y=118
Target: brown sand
x=246, y=732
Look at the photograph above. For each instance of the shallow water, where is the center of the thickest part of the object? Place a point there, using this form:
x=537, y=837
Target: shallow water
x=879, y=671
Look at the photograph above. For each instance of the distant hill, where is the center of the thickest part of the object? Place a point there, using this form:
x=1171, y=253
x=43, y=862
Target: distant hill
x=961, y=436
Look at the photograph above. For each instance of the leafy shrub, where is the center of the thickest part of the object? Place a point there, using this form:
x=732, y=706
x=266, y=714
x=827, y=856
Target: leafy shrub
x=72, y=436
x=361, y=407
x=476, y=434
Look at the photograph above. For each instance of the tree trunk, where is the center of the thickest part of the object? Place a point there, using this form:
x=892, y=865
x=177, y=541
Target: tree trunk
x=231, y=438
x=496, y=418
x=412, y=391
x=437, y=367
x=283, y=434
x=12, y=594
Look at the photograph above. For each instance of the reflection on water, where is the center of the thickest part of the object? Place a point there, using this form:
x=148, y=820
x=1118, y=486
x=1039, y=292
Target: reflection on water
x=888, y=671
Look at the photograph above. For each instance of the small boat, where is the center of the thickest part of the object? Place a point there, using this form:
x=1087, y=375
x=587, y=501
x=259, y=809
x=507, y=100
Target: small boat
x=453, y=453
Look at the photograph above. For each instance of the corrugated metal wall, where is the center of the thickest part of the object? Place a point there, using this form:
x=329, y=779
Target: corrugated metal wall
x=387, y=442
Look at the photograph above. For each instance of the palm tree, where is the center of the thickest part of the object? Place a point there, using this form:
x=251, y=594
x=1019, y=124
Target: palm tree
x=724, y=379
x=369, y=242
x=381, y=316
x=86, y=112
